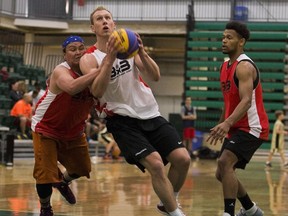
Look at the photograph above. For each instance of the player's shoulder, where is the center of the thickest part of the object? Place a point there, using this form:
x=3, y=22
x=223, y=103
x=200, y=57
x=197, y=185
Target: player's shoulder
x=90, y=49
x=61, y=67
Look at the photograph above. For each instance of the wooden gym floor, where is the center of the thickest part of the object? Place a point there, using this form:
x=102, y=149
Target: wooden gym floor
x=118, y=189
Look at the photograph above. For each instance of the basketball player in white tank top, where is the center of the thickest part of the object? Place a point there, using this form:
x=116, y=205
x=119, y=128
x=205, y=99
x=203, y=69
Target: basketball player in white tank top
x=145, y=138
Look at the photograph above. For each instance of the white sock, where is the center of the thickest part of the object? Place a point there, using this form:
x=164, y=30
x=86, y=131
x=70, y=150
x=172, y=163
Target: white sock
x=176, y=194
x=67, y=177
x=177, y=212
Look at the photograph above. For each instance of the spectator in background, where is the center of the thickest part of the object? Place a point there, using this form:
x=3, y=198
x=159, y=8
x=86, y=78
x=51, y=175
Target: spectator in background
x=22, y=87
x=188, y=114
x=14, y=93
x=4, y=73
x=36, y=94
x=277, y=141
x=93, y=126
x=112, y=150
x=22, y=110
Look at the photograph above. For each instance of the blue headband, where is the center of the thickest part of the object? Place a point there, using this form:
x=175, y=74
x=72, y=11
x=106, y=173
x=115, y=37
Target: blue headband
x=72, y=39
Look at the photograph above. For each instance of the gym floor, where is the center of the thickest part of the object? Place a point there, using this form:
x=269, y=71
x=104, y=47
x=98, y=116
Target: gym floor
x=119, y=189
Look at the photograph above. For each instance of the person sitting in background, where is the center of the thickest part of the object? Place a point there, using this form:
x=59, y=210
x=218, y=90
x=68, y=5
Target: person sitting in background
x=93, y=126
x=14, y=93
x=36, y=94
x=112, y=150
x=22, y=110
x=4, y=73
x=22, y=87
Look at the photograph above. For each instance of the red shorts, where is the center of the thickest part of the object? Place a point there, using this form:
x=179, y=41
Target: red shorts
x=188, y=133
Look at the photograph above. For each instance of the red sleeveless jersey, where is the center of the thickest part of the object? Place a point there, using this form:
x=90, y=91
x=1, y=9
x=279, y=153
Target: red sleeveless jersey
x=62, y=116
x=255, y=121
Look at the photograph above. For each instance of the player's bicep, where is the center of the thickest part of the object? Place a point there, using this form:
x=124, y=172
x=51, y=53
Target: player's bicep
x=62, y=79
x=88, y=63
x=245, y=76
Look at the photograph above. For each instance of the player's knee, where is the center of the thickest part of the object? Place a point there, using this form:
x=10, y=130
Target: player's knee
x=223, y=165
x=183, y=162
x=179, y=158
x=218, y=176
x=156, y=168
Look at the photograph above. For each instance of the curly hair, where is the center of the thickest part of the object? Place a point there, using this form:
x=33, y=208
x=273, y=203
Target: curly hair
x=240, y=28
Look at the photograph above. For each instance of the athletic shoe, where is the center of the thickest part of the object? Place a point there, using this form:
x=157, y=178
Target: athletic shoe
x=46, y=211
x=226, y=214
x=268, y=164
x=258, y=212
x=163, y=211
x=107, y=156
x=182, y=213
x=19, y=137
x=66, y=192
x=24, y=136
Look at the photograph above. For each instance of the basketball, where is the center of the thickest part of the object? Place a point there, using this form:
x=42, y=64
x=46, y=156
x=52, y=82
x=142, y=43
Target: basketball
x=128, y=41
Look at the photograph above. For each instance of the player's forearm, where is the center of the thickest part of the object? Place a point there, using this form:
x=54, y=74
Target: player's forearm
x=102, y=80
x=150, y=67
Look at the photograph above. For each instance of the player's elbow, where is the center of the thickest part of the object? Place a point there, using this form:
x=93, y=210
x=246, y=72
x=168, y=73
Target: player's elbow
x=248, y=104
x=157, y=77
x=98, y=91
x=97, y=94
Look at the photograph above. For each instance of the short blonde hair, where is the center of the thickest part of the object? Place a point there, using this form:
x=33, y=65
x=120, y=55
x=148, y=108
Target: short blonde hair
x=100, y=8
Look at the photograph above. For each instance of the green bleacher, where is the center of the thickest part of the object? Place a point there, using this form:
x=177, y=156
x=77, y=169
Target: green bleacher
x=267, y=48
x=29, y=73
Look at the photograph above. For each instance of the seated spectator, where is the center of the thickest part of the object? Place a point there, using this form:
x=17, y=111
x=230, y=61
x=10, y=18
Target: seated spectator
x=93, y=125
x=36, y=94
x=92, y=128
x=22, y=110
x=22, y=87
x=4, y=73
x=14, y=94
x=112, y=150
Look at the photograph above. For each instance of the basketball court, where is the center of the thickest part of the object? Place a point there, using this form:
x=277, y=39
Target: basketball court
x=119, y=189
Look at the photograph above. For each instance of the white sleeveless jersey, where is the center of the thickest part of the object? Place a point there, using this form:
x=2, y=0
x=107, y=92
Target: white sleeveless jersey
x=127, y=94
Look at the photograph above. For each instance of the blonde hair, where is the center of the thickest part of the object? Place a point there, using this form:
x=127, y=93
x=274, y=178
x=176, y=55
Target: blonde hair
x=100, y=8
x=22, y=87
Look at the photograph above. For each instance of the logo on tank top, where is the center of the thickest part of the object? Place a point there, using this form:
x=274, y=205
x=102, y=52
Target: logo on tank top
x=225, y=86
x=120, y=69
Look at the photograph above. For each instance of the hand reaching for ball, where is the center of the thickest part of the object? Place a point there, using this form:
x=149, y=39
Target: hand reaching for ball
x=127, y=42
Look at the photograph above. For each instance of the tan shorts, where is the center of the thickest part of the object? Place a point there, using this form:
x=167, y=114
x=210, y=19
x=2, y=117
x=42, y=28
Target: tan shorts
x=73, y=155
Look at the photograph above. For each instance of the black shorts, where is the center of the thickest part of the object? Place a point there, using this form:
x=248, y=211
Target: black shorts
x=243, y=145
x=138, y=138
